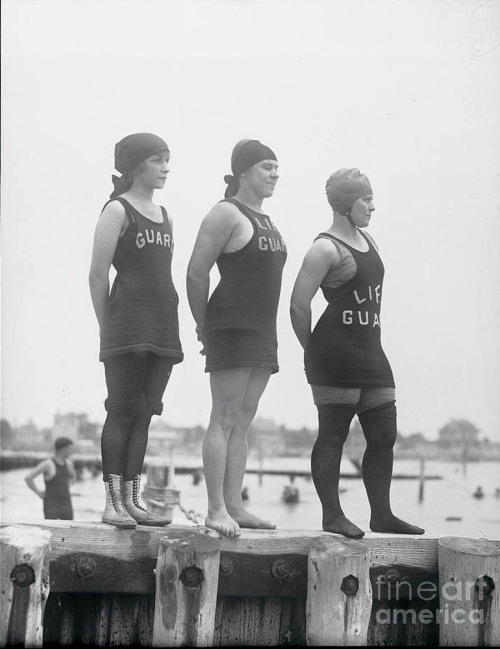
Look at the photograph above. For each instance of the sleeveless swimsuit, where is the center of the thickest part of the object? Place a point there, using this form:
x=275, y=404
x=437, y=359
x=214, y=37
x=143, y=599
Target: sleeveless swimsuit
x=142, y=310
x=57, y=501
x=345, y=349
x=240, y=325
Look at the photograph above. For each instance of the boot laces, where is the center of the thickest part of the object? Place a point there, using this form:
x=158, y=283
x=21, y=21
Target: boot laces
x=117, y=504
x=135, y=494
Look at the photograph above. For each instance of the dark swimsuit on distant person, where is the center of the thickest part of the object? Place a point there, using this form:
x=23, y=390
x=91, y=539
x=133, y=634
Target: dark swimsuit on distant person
x=57, y=501
x=344, y=349
x=240, y=325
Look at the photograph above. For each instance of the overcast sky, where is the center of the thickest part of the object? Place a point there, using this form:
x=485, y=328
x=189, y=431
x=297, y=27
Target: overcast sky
x=408, y=91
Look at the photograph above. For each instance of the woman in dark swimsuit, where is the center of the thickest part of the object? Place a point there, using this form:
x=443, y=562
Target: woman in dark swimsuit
x=345, y=364
x=138, y=319
x=237, y=325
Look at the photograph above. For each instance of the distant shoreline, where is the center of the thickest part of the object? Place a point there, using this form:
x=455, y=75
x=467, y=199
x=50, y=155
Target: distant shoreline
x=11, y=460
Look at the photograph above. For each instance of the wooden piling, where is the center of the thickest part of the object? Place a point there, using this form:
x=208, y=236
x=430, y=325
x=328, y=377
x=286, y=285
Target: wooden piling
x=469, y=592
x=187, y=575
x=421, y=482
x=159, y=494
x=24, y=581
x=339, y=593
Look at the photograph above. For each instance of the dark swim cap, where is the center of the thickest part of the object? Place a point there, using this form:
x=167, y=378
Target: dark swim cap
x=130, y=152
x=345, y=187
x=246, y=154
x=135, y=148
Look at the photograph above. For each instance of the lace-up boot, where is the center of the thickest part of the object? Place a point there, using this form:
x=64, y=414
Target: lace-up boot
x=131, y=491
x=114, y=511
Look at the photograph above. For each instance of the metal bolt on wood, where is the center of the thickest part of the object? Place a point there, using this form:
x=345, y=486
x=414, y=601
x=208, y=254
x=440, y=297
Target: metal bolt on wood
x=281, y=569
x=22, y=576
x=350, y=585
x=86, y=567
x=392, y=576
x=226, y=567
x=192, y=577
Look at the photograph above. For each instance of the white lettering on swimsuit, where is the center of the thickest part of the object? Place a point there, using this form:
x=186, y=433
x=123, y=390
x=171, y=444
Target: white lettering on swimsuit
x=162, y=239
x=363, y=318
x=371, y=292
x=274, y=244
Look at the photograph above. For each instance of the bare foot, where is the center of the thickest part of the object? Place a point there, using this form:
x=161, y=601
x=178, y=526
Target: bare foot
x=223, y=523
x=342, y=525
x=391, y=524
x=246, y=519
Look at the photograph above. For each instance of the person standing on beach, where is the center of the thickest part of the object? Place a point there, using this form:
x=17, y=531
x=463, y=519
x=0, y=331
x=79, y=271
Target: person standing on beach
x=237, y=325
x=344, y=361
x=138, y=320
x=58, y=474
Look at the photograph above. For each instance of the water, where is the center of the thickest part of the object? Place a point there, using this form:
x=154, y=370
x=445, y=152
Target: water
x=450, y=497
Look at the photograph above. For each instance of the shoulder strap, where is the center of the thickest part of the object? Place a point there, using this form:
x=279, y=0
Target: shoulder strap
x=369, y=239
x=242, y=208
x=128, y=207
x=327, y=235
x=165, y=218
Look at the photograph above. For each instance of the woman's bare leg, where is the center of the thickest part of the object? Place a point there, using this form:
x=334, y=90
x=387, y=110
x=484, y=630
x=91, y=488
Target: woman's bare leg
x=228, y=392
x=237, y=451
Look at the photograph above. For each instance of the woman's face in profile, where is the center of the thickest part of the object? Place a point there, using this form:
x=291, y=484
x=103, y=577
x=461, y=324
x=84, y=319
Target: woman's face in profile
x=362, y=210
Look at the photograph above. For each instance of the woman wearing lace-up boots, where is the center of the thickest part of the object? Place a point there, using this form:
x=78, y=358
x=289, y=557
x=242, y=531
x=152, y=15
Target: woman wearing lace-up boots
x=138, y=321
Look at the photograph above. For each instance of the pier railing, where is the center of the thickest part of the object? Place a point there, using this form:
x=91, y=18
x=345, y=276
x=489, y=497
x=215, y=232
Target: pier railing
x=88, y=583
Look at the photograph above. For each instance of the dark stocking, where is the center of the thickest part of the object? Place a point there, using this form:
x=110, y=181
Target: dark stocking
x=157, y=372
x=380, y=430
x=334, y=422
x=114, y=440
x=136, y=449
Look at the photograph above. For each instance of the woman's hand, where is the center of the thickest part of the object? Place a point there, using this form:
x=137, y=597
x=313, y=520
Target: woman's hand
x=199, y=335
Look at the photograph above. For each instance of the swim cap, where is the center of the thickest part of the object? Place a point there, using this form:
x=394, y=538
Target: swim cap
x=345, y=187
x=246, y=154
x=136, y=148
x=129, y=153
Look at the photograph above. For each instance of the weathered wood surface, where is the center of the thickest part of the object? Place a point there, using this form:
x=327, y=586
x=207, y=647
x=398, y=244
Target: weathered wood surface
x=94, y=557
x=260, y=621
x=24, y=581
x=99, y=620
x=339, y=593
x=187, y=574
x=469, y=589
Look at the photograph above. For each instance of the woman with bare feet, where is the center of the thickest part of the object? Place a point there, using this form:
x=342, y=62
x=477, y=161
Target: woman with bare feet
x=345, y=364
x=237, y=325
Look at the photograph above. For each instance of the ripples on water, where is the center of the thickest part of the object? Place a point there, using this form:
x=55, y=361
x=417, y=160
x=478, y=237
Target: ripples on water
x=447, y=498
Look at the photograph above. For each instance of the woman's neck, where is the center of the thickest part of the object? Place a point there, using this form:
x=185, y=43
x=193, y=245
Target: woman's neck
x=141, y=193
x=344, y=229
x=248, y=198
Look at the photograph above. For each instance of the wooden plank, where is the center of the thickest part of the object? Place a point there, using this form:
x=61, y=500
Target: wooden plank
x=94, y=557
x=24, y=580
x=259, y=621
x=339, y=593
x=99, y=620
x=469, y=590
x=187, y=575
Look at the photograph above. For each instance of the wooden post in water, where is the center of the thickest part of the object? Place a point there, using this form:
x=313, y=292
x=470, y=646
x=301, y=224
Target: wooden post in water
x=421, y=482
x=469, y=593
x=187, y=577
x=158, y=493
x=24, y=577
x=339, y=593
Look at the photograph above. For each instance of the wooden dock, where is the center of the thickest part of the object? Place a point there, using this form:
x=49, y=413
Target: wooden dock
x=10, y=460
x=89, y=583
